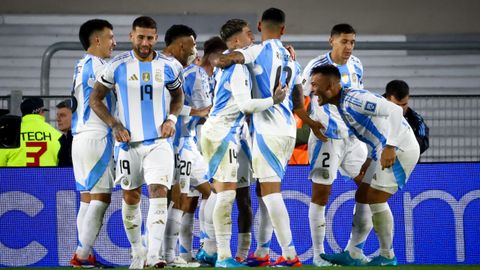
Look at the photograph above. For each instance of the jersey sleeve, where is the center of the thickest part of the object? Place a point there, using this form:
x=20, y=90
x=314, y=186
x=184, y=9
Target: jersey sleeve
x=297, y=74
x=306, y=79
x=107, y=77
x=173, y=76
x=240, y=85
x=251, y=53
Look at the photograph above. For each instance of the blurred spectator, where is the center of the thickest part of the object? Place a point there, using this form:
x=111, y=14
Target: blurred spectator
x=64, y=124
x=398, y=92
x=39, y=143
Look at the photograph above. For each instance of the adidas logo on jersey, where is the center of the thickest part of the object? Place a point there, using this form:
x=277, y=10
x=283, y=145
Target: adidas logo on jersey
x=133, y=78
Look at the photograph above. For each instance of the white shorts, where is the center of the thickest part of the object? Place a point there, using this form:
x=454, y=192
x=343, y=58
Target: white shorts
x=221, y=157
x=190, y=167
x=270, y=156
x=326, y=158
x=92, y=160
x=395, y=177
x=151, y=164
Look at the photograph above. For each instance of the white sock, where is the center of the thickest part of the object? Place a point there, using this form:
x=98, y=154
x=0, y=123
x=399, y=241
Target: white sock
x=171, y=233
x=361, y=227
x=243, y=246
x=186, y=236
x=82, y=210
x=201, y=218
x=281, y=223
x=383, y=223
x=222, y=220
x=93, y=221
x=156, y=220
x=132, y=223
x=265, y=231
x=316, y=216
x=210, y=242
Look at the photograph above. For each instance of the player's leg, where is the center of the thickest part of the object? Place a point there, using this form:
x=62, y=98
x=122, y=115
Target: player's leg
x=158, y=172
x=270, y=158
x=385, y=184
x=355, y=156
x=173, y=225
x=97, y=179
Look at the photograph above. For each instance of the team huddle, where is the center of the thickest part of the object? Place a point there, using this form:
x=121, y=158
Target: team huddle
x=201, y=133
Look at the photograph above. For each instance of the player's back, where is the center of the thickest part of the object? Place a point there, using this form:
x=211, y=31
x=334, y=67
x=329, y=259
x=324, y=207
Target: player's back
x=141, y=89
x=197, y=95
x=84, y=119
x=39, y=144
x=270, y=64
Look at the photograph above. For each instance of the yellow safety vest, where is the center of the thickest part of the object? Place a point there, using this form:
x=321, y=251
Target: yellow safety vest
x=39, y=145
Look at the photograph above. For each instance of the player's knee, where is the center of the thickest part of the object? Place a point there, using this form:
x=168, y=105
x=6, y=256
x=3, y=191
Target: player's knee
x=321, y=193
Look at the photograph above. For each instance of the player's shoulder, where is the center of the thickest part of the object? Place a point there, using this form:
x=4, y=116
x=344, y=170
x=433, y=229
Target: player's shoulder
x=192, y=69
x=121, y=58
x=318, y=61
x=355, y=60
x=169, y=61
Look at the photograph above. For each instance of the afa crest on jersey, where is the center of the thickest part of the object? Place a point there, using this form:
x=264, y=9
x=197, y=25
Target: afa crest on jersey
x=146, y=76
x=158, y=76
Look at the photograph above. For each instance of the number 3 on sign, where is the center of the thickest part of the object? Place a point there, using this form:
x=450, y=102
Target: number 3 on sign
x=37, y=154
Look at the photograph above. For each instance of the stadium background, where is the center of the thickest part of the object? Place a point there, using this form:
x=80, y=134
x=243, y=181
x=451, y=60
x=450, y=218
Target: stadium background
x=443, y=227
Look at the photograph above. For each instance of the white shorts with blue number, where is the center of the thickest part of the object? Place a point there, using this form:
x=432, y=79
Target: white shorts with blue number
x=190, y=167
x=326, y=158
x=150, y=162
x=92, y=158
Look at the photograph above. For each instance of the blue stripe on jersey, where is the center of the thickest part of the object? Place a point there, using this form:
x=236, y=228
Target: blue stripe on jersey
x=264, y=60
x=223, y=95
x=86, y=75
x=270, y=156
x=189, y=84
x=178, y=126
x=146, y=103
x=121, y=79
x=358, y=135
x=399, y=173
x=366, y=122
x=287, y=113
x=344, y=70
x=332, y=127
x=246, y=149
x=316, y=151
x=99, y=169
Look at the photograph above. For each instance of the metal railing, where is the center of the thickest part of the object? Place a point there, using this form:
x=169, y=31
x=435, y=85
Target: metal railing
x=299, y=45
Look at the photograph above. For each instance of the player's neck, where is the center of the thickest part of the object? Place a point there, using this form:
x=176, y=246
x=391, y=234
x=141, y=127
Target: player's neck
x=270, y=35
x=93, y=51
x=149, y=58
x=207, y=67
x=337, y=59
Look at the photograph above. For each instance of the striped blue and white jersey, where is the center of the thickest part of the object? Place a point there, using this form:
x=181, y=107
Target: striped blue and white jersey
x=351, y=77
x=374, y=120
x=84, y=119
x=233, y=84
x=196, y=89
x=269, y=63
x=141, y=88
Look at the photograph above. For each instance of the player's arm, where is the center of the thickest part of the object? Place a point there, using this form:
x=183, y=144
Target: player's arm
x=226, y=60
x=241, y=91
x=97, y=95
x=299, y=109
x=167, y=128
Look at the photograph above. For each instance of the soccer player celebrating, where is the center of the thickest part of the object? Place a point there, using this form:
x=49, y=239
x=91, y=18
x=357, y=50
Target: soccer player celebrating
x=393, y=152
x=221, y=139
x=142, y=78
x=342, y=150
x=92, y=146
x=274, y=130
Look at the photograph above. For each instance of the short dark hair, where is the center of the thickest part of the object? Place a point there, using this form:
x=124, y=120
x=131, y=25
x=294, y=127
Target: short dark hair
x=232, y=27
x=65, y=104
x=88, y=28
x=397, y=88
x=273, y=15
x=214, y=44
x=327, y=70
x=177, y=31
x=343, y=28
x=144, y=22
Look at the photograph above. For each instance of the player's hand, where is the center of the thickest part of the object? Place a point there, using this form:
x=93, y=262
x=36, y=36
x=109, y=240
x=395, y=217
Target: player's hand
x=291, y=50
x=167, y=129
x=388, y=157
x=359, y=178
x=317, y=129
x=280, y=93
x=203, y=112
x=120, y=133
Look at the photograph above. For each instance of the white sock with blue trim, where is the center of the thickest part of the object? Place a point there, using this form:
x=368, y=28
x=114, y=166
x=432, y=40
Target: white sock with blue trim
x=361, y=227
x=265, y=230
x=383, y=223
x=171, y=233
x=316, y=216
x=186, y=236
x=92, y=223
x=222, y=220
